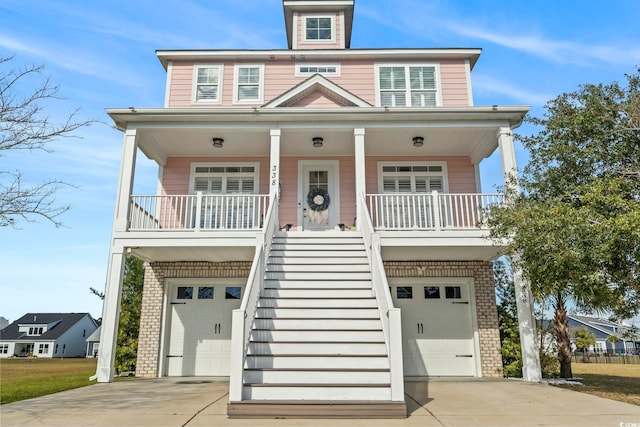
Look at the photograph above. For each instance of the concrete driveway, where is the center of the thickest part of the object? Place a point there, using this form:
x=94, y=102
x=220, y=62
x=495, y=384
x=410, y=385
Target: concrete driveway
x=202, y=402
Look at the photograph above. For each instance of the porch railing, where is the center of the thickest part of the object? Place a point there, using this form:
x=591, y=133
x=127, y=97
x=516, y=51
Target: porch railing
x=389, y=315
x=242, y=318
x=429, y=211
x=197, y=212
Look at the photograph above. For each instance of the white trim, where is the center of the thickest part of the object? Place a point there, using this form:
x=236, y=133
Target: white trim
x=443, y=164
x=255, y=165
x=167, y=88
x=294, y=30
x=469, y=282
x=467, y=71
x=476, y=169
x=194, y=84
x=343, y=30
x=407, y=66
x=236, y=70
x=306, y=16
x=318, y=65
x=320, y=83
x=333, y=166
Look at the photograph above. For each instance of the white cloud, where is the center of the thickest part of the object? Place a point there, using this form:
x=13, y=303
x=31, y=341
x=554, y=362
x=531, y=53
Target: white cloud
x=485, y=84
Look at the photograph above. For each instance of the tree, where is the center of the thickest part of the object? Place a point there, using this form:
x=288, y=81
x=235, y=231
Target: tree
x=612, y=339
x=25, y=125
x=575, y=226
x=584, y=339
x=130, y=308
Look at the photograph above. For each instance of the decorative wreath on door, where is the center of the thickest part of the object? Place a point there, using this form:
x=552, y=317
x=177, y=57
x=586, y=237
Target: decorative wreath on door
x=318, y=199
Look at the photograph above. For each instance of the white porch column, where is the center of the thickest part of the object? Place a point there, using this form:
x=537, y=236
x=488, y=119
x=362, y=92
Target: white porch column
x=361, y=187
x=125, y=181
x=110, y=316
x=113, y=289
x=524, y=300
x=274, y=170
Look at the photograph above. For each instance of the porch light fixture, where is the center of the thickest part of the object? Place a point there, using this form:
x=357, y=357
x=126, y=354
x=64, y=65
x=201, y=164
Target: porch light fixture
x=418, y=141
x=217, y=142
x=317, y=141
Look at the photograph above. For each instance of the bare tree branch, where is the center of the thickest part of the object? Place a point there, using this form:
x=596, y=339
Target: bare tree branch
x=26, y=125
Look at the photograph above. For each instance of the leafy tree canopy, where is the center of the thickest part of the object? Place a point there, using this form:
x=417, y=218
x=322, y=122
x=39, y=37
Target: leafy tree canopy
x=575, y=224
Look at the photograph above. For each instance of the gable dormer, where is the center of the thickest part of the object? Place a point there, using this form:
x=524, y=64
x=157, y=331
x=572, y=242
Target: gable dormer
x=318, y=24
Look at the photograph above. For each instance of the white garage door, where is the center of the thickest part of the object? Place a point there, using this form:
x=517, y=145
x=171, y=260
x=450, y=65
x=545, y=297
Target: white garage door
x=199, y=330
x=437, y=329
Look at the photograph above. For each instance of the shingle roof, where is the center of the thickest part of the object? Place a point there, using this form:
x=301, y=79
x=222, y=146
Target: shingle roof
x=60, y=322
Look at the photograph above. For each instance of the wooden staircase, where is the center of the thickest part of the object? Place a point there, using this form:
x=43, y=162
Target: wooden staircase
x=317, y=348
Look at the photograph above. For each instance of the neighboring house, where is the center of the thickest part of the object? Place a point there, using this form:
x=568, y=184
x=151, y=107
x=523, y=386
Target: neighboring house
x=93, y=343
x=47, y=335
x=263, y=158
x=628, y=340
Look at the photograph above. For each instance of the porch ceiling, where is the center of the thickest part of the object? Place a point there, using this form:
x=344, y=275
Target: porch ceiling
x=168, y=133
x=192, y=254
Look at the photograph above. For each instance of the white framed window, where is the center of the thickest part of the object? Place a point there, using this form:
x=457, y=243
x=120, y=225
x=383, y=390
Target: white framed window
x=4, y=348
x=249, y=83
x=599, y=347
x=43, y=349
x=412, y=177
x=207, y=84
x=225, y=178
x=408, y=85
x=305, y=70
x=319, y=28
x=34, y=331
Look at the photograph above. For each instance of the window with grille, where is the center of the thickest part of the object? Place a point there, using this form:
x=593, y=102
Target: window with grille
x=318, y=28
x=221, y=179
x=248, y=83
x=412, y=178
x=207, y=84
x=407, y=86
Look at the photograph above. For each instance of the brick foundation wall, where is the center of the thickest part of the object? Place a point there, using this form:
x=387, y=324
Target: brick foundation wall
x=155, y=276
x=486, y=310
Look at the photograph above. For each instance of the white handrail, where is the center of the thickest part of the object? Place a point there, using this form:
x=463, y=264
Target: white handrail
x=242, y=318
x=197, y=212
x=430, y=211
x=389, y=315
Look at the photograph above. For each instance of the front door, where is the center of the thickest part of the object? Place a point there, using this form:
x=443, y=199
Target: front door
x=318, y=195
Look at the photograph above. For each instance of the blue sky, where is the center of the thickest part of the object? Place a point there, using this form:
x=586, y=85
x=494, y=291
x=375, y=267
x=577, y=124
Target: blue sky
x=102, y=55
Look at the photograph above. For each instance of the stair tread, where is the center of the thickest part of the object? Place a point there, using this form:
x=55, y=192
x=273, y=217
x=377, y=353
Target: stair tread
x=327, y=385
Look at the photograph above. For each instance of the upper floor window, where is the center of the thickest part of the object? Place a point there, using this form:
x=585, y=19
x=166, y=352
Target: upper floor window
x=207, y=83
x=36, y=330
x=225, y=179
x=249, y=84
x=305, y=70
x=407, y=86
x=318, y=28
x=401, y=177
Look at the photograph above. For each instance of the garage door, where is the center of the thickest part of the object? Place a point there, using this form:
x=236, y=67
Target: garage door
x=437, y=329
x=200, y=329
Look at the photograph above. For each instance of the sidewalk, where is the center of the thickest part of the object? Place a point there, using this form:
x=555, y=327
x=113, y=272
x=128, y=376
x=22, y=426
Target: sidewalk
x=202, y=402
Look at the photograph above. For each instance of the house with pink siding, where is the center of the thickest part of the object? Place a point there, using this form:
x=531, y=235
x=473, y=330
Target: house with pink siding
x=316, y=234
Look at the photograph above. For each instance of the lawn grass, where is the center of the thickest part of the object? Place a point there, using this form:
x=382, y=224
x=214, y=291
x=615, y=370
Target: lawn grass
x=612, y=381
x=26, y=378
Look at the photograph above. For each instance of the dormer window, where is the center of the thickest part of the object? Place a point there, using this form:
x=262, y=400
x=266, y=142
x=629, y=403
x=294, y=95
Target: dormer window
x=319, y=28
x=34, y=331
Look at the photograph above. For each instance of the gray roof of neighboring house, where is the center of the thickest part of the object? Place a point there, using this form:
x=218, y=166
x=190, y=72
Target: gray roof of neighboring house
x=602, y=325
x=59, y=324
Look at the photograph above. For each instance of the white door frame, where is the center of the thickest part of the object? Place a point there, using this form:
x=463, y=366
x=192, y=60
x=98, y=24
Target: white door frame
x=333, y=166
